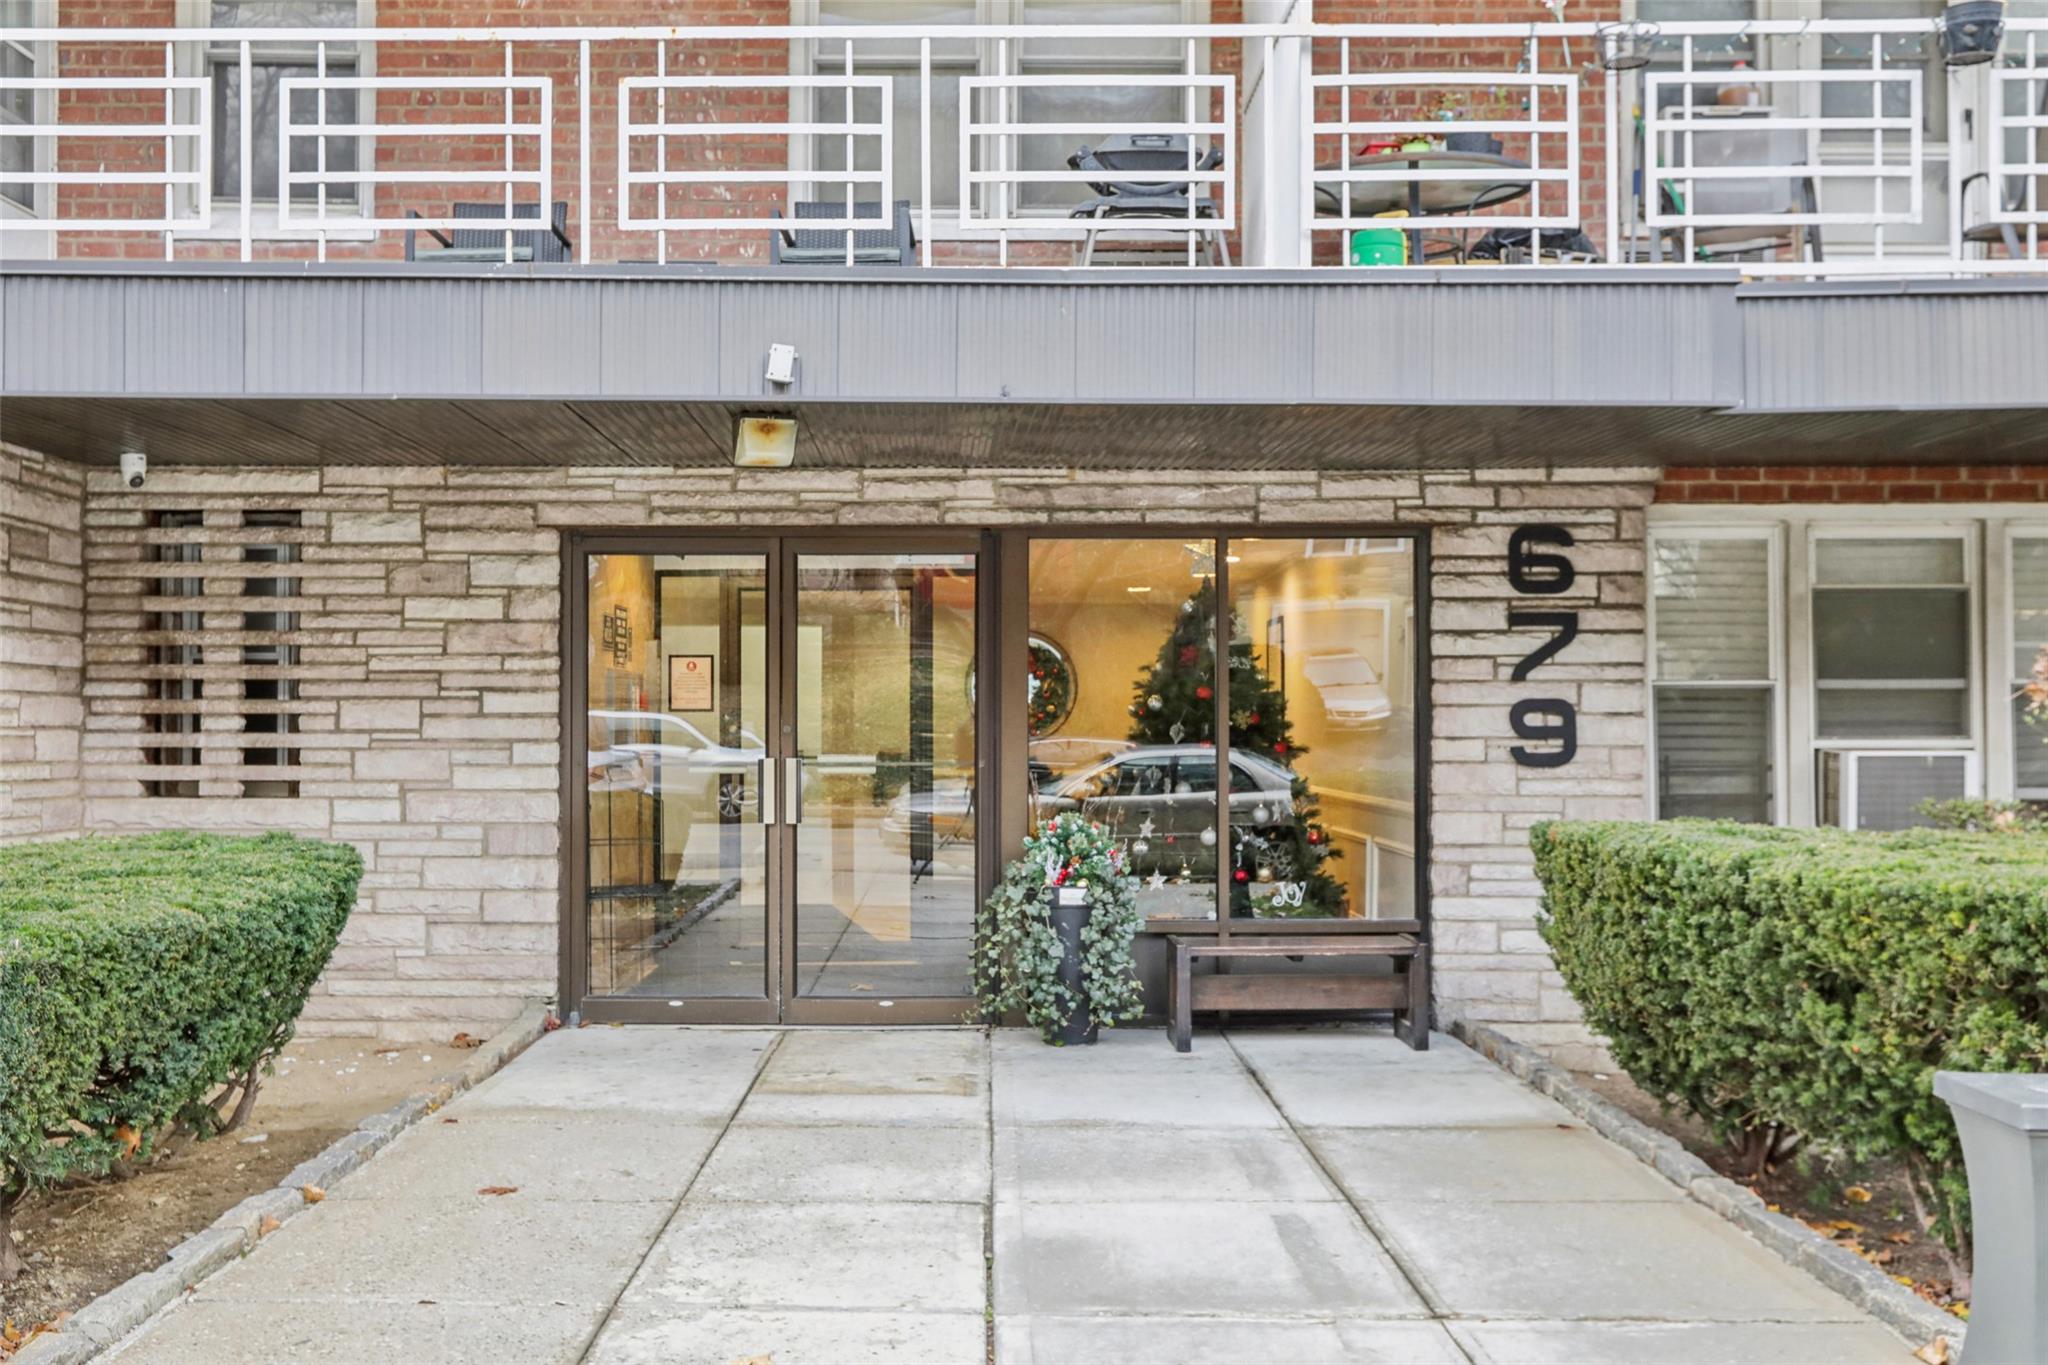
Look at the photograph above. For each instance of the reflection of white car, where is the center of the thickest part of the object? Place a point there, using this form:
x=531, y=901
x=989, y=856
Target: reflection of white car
x=1170, y=791
x=1351, y=693
x=949, y=806
x=666, y=756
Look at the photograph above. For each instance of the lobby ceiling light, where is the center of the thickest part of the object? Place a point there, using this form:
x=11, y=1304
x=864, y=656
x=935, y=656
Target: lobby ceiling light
x=764, y=443
x=1146, y=587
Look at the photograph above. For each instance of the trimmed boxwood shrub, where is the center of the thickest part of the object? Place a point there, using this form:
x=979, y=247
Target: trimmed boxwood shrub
x=143, y=983
x=1813, y=979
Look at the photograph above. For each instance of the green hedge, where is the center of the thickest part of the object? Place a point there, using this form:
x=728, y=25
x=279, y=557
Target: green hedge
x=1811, y=978
x=138, y=976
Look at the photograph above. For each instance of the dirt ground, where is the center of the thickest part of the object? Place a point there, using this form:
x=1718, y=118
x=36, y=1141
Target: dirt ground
x=82, y=1242
x=1864, y=1206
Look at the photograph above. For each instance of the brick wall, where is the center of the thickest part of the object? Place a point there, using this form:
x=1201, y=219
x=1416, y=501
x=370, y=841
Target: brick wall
x=42, y=617
x=429, y=733
x=1855, y=484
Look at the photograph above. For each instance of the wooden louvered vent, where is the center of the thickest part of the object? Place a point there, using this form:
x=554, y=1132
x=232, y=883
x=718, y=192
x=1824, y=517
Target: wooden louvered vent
x=221, y=653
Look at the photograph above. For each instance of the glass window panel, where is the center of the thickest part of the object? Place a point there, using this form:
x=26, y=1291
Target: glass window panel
x=1123, y=688
x=1395, y=878
x=1111, y=105
x=227, y=135
x=1884, y=562
x=906, y=167
x=2030, y=752
x=1079, y=48
x=885, y=728
x=17, y=107
x=2029, y=603
x=1713, y=609
x=1322, y=745
x=1714, y=749
x=1893, y=713
x=1872, y=634
x=677, y=895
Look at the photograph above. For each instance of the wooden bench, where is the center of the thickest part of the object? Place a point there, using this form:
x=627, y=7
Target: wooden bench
x=1406, y=992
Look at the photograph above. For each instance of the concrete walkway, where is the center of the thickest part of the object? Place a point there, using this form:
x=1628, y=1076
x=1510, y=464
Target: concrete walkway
x=713, y=1195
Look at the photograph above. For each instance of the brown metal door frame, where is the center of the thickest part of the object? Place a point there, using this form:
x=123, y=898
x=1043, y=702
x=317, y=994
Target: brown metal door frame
x=780, y=1003
x=796, y=1008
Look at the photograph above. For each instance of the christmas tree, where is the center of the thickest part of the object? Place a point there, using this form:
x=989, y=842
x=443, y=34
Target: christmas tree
x=1277, y=850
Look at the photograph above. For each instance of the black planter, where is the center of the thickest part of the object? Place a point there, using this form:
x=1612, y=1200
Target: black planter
x=1069, y=913
x=1971, y=31
x=1472, y=142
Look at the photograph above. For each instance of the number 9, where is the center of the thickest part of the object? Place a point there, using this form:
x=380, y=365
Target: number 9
x=1560, y=728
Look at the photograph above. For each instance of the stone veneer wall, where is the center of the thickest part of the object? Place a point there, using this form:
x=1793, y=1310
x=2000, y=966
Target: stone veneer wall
x=42, y=645
x=430, y=735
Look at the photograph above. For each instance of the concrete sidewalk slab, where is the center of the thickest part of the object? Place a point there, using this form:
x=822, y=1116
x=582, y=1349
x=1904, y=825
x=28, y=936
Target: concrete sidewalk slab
x=1549, y=1163
x=770, y=1257
x=652, y=1334
x=1220, y=1341
x=847, y=1163
x=544, y=1153
x=685, y=1075
x=1192, y=1257
x=1077, y=1164
x=1661, y=1260
x=926, y=1077
x=1130, y=1077
x=336, y=1332
x=1645, y=1343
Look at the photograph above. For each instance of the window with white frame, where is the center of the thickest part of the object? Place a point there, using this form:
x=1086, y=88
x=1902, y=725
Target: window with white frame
x=270, y=63
x=1891, y=637
x=18, y=61
x=1715, y=674
x=1058, y=53
x=2029, y=641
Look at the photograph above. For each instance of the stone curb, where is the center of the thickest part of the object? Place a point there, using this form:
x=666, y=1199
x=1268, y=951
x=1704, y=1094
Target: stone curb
x=119, y=1311
x=1840, y=1269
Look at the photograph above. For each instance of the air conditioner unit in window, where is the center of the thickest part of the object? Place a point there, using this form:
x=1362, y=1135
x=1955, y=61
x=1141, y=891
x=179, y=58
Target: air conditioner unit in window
x=1883, y=788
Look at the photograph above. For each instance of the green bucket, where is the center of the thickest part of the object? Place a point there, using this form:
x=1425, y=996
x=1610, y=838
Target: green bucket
x=1379, y=246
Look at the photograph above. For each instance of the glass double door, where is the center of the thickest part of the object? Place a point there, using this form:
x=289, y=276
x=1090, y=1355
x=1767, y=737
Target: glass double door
x=780, y=760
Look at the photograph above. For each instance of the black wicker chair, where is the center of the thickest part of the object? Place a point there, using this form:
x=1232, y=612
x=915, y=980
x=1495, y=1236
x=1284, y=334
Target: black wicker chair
x=894, y=243
x=488, y=244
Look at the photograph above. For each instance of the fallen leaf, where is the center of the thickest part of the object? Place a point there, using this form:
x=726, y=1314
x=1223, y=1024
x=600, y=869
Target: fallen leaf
x=1882, y=1256
x=464, y=1040
x=389, y=1051
x=1844, y=1225
x=1856, y=1194
x=314, y=1194
x=1934, y=1352
x=1904, y=1239
x=268, y=1225
x=9, y=1333
x=130, y=1140
x=451, y=1120
x=1774, y=1208
x=499, y=1189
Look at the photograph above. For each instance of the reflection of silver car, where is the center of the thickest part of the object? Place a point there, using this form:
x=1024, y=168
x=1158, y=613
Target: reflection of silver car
x=666, y=756
x=1352, y=695
x=1168, y=791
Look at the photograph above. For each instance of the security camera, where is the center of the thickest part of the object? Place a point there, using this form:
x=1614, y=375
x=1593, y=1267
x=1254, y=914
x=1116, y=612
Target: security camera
x=134, y=468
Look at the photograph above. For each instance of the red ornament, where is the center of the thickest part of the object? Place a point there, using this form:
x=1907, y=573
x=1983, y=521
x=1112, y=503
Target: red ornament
x=1187, y=655
x=1242, y=875
x=1252, y=719
x=1279, y=747
x=1204, y=693
x=1315, y=836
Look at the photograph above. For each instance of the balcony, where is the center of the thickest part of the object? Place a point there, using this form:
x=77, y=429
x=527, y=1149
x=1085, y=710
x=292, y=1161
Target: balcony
x=1774, y=148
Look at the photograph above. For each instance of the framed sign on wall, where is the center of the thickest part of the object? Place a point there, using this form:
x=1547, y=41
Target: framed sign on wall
x=689, y=683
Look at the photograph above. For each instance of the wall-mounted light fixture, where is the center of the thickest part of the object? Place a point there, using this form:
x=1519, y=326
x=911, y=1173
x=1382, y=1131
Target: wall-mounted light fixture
x=764, y=443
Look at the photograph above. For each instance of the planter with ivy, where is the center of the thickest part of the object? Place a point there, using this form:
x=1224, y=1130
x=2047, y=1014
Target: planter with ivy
x=1065, y=988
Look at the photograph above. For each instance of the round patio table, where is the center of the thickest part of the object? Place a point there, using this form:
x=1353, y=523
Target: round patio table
x=1492, y=182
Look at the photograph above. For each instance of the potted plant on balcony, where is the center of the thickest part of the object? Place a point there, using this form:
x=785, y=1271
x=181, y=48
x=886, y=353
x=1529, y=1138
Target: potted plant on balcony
x=1487, y=105
x=1053, y=941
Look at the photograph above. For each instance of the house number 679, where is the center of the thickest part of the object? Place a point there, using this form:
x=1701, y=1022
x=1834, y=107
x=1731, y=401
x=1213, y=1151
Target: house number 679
x=1542, y=573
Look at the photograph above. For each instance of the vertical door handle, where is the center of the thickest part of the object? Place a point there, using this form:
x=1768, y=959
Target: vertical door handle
x=765, y=808
x=793, y=790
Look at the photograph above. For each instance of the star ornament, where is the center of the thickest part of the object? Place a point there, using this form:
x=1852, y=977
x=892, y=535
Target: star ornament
x=1156, y=881
x=1145, y=830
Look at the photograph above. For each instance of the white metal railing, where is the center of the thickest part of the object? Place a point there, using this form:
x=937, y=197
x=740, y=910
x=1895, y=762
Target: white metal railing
x=713, y=136
x=366, y=179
